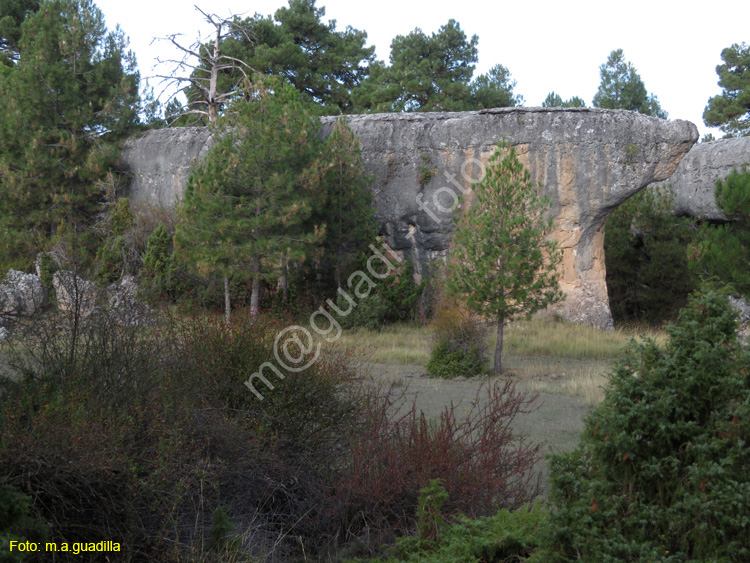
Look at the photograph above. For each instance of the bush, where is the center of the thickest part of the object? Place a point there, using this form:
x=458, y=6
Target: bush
x=397, y=452
x=395, y=299
x=663, y=468
x=458, y=341
x=507, y=536
x=133, y=433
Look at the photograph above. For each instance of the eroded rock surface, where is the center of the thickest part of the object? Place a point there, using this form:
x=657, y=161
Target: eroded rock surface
x=589, y=161
x=694, y=181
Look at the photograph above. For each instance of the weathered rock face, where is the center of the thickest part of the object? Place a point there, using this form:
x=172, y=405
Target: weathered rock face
x=589, y=161
x=160, y=163
x=74, y=294
x=694, y=181
x=21, y=294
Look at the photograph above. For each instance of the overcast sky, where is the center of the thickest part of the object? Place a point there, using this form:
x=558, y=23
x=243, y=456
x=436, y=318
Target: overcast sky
x=546, y=45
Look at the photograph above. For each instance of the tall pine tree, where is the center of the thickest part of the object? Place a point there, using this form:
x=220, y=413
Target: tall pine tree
x=71, y=95
x=348, y=212
x=247, y=206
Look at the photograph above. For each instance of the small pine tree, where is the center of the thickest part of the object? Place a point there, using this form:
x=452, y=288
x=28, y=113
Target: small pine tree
x=158, y=264
x=502, y=262
x=723, y=251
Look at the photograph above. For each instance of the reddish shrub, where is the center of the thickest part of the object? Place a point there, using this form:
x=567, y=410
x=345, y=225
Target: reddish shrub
x=485, y=466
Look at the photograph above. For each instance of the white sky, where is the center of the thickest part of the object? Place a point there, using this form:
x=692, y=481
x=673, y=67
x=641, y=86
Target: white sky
x=546, y=45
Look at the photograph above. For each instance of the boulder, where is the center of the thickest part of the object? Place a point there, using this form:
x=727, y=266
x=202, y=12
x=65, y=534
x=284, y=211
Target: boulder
x=74, y=293
x=21, y=294
x=588, y=161
x=128, y=310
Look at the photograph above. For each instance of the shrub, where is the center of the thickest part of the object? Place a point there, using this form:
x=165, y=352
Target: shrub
x=397, y=451
x=662, y=471
x=393, y=300
x=507, y=536
x=458, y=341
x=133, y=433
x=446, y=361
x=158, y=263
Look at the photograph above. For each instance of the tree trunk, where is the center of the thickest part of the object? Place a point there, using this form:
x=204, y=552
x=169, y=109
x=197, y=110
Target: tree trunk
x=255, y=294
x=284, y=280
x=499, y=347
x=227, y=304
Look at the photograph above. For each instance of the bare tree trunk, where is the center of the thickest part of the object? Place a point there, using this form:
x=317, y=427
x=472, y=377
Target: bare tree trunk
x=284, y=280
x=227, y=303
x=499, y=347
x=255, y=293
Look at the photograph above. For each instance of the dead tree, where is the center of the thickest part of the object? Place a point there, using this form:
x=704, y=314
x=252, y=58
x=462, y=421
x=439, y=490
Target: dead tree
x=205, y=61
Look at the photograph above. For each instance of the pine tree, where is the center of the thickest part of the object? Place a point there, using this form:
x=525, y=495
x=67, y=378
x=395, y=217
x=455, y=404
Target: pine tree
x=348, y=212
x=621, y=87
x=71, y=95
x=730, y=110
x=502, y=262
x=247, y=205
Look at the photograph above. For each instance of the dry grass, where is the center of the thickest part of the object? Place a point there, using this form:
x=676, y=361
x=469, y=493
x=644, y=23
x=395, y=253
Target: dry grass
x=546, y=356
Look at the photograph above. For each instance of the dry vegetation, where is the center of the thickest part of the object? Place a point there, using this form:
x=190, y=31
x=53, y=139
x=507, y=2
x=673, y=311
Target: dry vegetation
x=549, y=356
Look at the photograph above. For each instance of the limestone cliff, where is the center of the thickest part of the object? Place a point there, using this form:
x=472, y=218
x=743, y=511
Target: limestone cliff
x=694, y=181
x=587, y=160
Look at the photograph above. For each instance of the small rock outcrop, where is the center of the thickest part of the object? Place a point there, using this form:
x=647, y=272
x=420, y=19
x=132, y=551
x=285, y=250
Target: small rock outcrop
x=74, y=293
x=694, y=181
x=21, y=294
x=588, y=161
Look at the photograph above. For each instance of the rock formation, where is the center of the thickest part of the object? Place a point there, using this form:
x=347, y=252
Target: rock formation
x=588, y=161
x=694, y=181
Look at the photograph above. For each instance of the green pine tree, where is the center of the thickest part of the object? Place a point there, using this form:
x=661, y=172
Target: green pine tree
x=247, y=205
x=621, y=87
x=730, y=110
x=64, y=105
x=502, y=262
x=348, y=212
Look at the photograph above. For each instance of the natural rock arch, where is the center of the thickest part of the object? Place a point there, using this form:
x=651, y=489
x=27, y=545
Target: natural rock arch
x=589, y=161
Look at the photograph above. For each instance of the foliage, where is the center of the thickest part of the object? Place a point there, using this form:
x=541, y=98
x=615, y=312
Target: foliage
x=395, y=299
x=14, y=12
x=427, y=73
x=15, y=523
x=324, y=64
x=621, y=87
x=483, y=465
x=505, y=537
x=158, y=264
x=554, y=100
x=58, y=141
x=247, y=205
x=433, y=73
x=133, y=432
x=458, y=341
x=494, y=90
x=721, y=251
x=730, y=110
x=502, y=263
x=448, y=361
x=348, y=212
x=662, y=469
x=645, y=246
